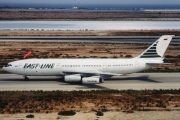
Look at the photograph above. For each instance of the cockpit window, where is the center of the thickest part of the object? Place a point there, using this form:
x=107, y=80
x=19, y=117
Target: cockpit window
x=7, y=65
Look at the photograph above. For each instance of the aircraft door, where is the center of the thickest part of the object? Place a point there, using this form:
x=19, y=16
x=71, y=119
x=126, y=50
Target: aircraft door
x=20, y=66
x=58, y=65
x=137, y=64
x=104, y=67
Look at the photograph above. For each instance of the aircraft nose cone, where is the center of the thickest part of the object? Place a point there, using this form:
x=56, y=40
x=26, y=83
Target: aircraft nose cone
x=4, y=68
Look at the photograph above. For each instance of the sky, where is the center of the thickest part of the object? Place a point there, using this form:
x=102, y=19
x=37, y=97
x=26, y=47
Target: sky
x=92, y=1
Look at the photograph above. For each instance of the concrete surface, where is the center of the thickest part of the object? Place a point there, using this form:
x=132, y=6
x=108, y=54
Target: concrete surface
x=136, y=81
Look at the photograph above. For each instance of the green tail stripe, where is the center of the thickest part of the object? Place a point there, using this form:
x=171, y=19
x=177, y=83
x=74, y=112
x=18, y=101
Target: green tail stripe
x=150, y=56
x=151, y=51
x=153, y=48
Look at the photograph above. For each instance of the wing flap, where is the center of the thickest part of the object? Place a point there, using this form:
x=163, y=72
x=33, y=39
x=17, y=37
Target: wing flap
x=158, y=63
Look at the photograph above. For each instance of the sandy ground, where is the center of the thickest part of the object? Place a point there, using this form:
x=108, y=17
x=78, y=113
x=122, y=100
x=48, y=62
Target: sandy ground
x=153, y=115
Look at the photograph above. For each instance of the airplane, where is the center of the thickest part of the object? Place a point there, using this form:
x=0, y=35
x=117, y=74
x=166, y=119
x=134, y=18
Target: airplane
x=91, y=71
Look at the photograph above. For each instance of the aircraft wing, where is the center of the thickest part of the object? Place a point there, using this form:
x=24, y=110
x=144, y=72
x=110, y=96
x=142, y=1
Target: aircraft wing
x=91, y=73
x=158, y=63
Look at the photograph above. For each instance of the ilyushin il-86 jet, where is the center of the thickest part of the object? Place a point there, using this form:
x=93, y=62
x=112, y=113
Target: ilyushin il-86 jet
x=91, y=71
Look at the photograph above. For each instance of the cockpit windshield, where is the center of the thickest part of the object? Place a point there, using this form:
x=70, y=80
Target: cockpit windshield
x=7, y=65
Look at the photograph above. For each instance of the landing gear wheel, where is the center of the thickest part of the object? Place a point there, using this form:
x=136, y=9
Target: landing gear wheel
x=26, y=78
x=101, y=80
x=81, y=80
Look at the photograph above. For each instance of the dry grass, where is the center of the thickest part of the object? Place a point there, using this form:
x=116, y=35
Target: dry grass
x=107, y=100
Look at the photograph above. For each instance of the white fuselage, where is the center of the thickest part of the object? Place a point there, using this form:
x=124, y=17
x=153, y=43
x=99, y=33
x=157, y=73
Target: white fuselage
x=91, y=71
x=55, y=67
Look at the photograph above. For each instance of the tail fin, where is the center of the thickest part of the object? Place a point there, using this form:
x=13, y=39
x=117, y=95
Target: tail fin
x=158, y=48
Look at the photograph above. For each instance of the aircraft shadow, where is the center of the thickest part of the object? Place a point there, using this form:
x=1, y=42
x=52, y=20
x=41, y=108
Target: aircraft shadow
x=88, y=86
x=60, y=79
x=144, y=78
x=79, y=85
x=92, y=86
x=32, y=79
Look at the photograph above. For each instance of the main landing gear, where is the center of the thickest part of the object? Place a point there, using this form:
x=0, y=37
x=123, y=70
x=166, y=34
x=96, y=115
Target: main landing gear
x=26, y=78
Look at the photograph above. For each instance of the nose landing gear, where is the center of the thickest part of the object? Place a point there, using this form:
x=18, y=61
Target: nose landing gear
x=26, y=78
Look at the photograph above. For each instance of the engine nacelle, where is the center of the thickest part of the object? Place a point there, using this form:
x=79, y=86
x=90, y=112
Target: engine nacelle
x=91, y=80
x=72, y=78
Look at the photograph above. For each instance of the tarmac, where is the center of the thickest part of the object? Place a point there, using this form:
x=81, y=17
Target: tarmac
x=136, y=81
x=103, y=39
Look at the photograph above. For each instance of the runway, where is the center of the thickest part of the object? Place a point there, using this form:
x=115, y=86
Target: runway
x=136, y=81
x=106, y=39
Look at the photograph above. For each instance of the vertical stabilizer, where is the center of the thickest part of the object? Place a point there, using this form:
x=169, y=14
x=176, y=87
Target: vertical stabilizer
x=158, y=48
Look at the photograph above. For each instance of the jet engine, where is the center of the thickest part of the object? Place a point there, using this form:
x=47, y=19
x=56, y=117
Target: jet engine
x=91, y=80
x=72, y=78
x=85, y=80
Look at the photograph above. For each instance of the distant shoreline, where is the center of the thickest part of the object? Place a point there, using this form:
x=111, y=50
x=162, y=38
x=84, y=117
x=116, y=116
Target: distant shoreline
x=119, y=16
x=105, y=19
